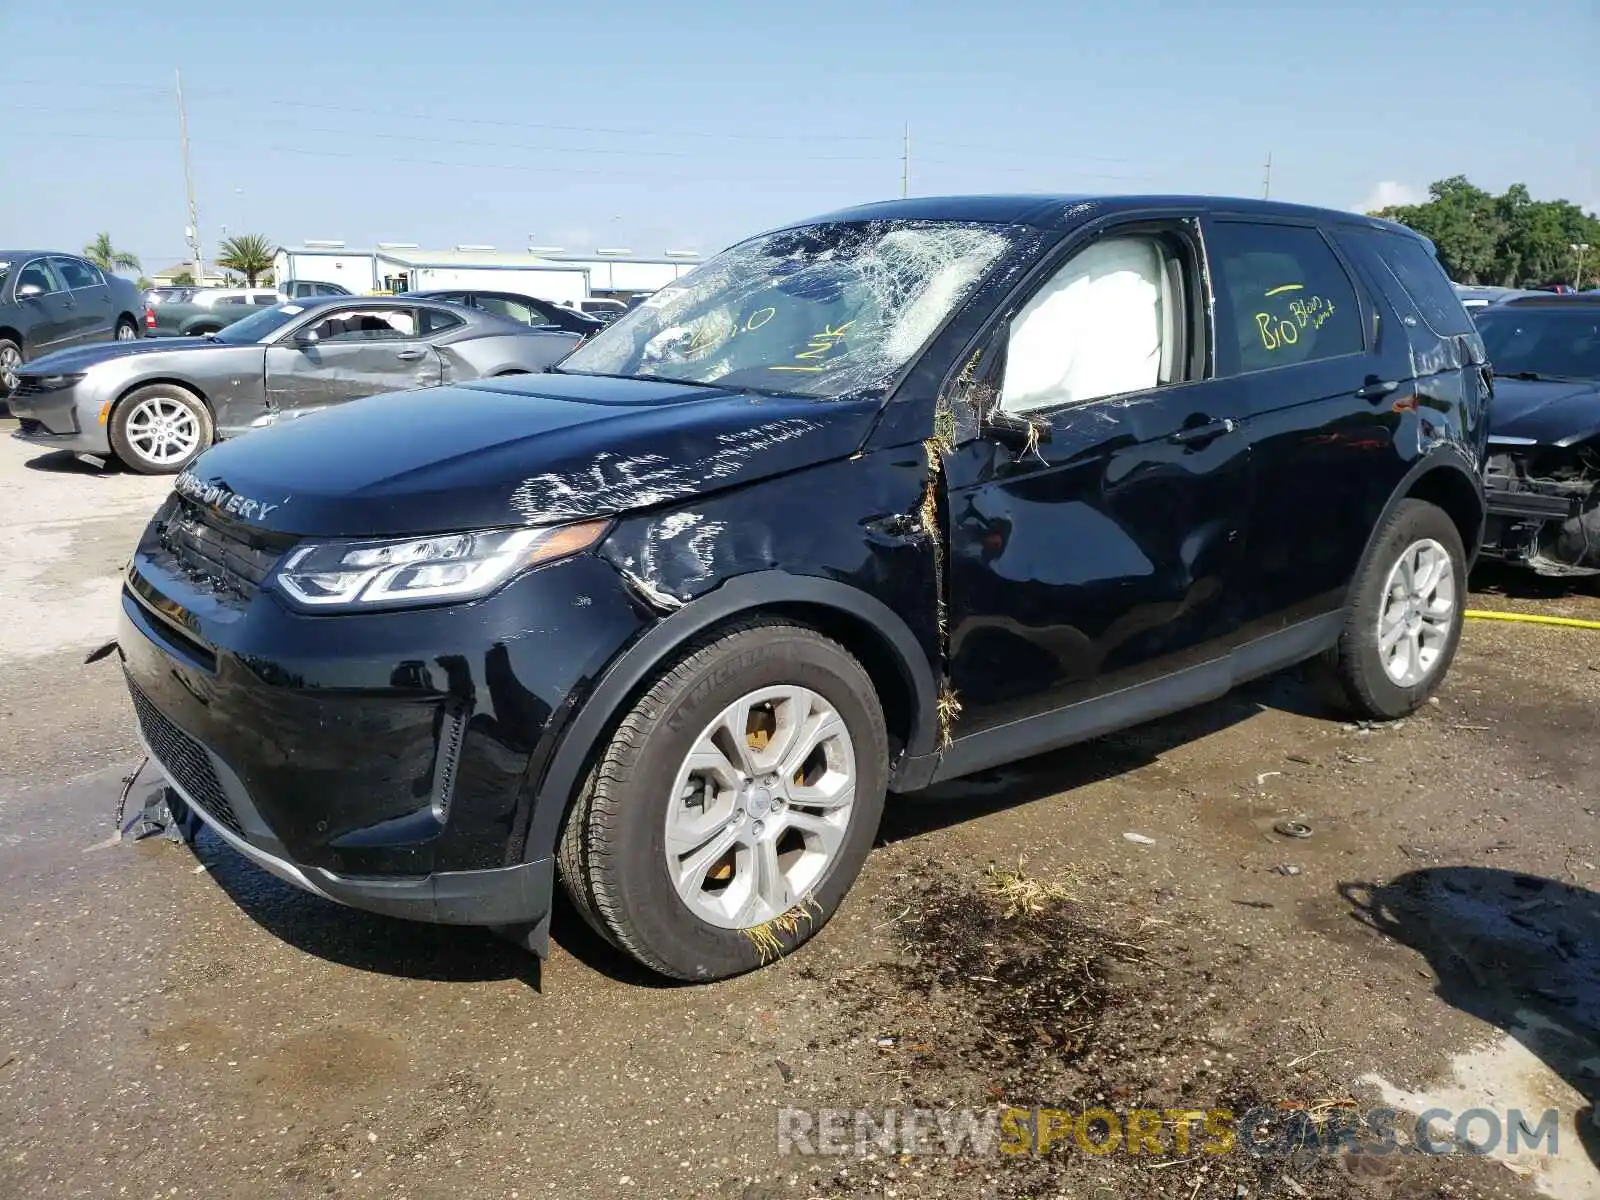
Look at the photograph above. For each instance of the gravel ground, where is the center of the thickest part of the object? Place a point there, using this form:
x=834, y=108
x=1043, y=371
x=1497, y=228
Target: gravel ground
x=175, y=1023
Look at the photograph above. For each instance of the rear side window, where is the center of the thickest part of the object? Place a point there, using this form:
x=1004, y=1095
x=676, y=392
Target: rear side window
x=1425, y=282
x=1283, y=297
x=436, y=320
x=78, y=275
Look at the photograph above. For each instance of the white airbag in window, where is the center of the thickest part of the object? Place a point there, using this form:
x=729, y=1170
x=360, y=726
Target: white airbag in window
x=1094, y=330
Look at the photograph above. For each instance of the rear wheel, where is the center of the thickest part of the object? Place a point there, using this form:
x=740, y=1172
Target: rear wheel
x=1404, y=622
x=160, y=429
x=734, y=806
x=127, y=331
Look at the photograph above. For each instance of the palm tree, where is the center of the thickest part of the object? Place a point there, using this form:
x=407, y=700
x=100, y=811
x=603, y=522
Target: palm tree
x=250, y=254
x=107, y=257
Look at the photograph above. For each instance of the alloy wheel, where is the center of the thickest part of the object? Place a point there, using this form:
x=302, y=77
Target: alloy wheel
x=760, y=807
x=10, y=364
x=126, y=333
x=163, y=430
x=1417, y=617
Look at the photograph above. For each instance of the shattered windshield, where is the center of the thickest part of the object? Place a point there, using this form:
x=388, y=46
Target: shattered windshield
x=822, y=310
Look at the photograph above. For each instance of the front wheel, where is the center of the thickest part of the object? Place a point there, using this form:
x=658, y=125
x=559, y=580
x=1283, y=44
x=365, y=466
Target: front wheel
x=1404, y=621
x=10, y=364
x=734, y=806
x=160, y=429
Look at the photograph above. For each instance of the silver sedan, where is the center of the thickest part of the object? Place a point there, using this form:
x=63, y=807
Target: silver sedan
x=156, y=404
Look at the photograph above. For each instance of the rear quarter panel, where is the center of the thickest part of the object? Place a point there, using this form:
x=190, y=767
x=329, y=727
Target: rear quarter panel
x=496, y=354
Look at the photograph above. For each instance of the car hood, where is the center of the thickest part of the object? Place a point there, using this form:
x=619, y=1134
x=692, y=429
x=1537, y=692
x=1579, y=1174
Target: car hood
x=1545, y=411
x=81, y=358
x=534, y=450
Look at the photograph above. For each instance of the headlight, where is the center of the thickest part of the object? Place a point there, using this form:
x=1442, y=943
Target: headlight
x=54, y=383
x=447, y=566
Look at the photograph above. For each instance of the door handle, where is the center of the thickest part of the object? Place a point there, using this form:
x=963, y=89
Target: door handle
x=409, y=355
x=1377, y=389
x=1199, y=435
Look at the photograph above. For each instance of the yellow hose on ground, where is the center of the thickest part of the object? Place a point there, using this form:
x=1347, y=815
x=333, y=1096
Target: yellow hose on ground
x=1484, y=614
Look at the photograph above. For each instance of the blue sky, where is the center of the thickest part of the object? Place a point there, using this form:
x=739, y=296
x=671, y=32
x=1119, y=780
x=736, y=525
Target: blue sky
x=657, y=125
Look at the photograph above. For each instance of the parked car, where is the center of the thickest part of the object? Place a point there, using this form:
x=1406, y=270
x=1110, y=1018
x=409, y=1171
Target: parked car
x=529, y=310
x=176, y=294
x=157, y=404
x=1543, y=480
x=303, y=289
x=50, y=301
x=206, y=311
x=877, y=500
x=603, y=308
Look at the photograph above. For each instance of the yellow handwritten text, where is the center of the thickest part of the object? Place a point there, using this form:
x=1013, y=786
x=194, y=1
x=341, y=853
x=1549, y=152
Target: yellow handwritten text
x=820, y=346
x=1282, y=328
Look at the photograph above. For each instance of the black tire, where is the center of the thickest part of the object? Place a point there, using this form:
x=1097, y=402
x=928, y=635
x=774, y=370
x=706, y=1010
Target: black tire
x=11, y=352
x=127, y=330
x=612, y=856
x=1355, y=667
x=128, y=452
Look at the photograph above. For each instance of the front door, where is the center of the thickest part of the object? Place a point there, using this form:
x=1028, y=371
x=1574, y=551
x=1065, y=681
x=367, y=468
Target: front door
x=1100, y=550
x=352, y=353
x=48, y=314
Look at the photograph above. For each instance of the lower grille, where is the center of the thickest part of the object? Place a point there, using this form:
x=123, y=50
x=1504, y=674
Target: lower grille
x=185, y=758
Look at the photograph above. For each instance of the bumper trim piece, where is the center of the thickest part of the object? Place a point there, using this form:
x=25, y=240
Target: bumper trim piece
x=514, y=895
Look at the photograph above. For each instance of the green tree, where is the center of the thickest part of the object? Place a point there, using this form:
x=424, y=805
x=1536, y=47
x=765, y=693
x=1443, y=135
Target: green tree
x=107, y=257
x=250, y=254
x=183, y=279
x=1511, y=240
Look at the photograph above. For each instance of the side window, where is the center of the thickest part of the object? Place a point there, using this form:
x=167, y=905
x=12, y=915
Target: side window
x=38, y=274
x=230, y=300
x=77, y=274
x=266, y=299
x=437, y=320
x=1283, y=297
x=368, y=325
x=511, y=309
x=1106, y=323
x=1424, y=281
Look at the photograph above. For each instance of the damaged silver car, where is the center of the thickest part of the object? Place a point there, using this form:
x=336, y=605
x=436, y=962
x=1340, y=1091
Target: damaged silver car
x=156, y=404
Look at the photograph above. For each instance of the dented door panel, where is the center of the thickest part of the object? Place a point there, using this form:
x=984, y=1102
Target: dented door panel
x=322, y=375
x=1101, y=558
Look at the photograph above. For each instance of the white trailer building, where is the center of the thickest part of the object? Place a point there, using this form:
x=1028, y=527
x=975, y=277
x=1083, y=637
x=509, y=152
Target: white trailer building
x=546, y=273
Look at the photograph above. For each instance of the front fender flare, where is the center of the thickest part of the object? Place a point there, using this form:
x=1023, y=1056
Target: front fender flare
x=741, y=594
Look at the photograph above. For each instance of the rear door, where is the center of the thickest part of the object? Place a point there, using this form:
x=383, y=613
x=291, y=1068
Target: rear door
x=92, y=319
x=1297, y=336
x=356, y=352
x=48, y=316
x=1103, y=553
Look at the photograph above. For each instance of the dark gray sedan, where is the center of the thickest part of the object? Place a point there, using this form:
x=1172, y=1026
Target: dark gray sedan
x=51, y=301
x=156, y=404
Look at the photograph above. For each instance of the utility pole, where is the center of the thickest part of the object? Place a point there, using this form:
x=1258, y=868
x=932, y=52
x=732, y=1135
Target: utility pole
x=1580, y=249
x=1266, y=183
x=905, y=164
x=192, y=233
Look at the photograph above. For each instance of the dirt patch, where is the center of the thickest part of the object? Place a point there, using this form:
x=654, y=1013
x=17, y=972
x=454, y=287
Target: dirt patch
x=1078, y=1026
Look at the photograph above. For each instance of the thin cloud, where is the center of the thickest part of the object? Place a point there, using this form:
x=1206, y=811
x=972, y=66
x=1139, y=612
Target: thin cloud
x=1389, y=193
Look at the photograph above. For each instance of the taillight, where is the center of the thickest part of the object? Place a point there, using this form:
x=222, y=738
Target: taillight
x=149, y=317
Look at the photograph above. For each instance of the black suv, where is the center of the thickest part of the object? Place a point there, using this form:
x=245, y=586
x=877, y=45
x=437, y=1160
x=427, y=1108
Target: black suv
x=863, y=503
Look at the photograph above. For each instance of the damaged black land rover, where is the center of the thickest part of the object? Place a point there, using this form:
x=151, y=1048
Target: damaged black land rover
x=876, y=500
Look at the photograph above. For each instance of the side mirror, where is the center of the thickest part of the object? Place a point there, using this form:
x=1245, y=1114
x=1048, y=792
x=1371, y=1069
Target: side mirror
x=307, y=338
x=27, y=291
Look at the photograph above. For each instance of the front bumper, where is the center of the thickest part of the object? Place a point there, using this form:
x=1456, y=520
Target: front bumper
x=61, y=420
x=382, y=760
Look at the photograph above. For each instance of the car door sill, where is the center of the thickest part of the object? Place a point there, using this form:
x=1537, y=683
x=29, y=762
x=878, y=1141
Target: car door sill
x=1117, y=710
